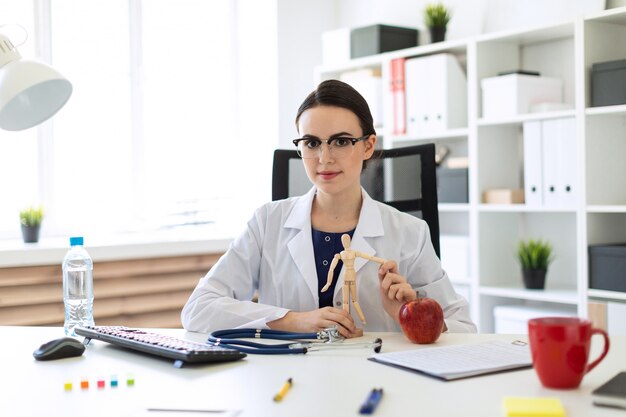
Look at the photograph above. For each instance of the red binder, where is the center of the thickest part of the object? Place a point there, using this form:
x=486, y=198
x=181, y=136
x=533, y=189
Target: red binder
x=398, y=96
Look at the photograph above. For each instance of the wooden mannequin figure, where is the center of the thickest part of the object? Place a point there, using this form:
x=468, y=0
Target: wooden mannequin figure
x=349, y=275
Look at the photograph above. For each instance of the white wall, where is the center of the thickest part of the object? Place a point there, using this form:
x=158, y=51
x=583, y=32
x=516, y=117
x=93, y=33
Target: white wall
x=300, y=27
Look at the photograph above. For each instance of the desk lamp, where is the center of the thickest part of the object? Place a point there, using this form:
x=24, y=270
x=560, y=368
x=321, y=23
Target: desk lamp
x=30, y=91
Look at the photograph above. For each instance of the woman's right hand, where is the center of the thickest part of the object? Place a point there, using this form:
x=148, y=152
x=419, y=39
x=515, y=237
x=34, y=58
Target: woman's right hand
x=317, y=320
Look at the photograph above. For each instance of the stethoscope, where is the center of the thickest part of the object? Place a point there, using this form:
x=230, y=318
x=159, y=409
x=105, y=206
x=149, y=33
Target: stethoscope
x=329, y=338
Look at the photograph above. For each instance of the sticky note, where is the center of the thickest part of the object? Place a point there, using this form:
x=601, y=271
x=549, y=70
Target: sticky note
x=84, y=383
x=67, y=386
x=113, y=380
x=101, y=383
x=533, y=407
x=130, y=380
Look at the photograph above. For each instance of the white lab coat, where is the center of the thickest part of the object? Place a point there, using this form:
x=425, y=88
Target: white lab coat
x=275, y=256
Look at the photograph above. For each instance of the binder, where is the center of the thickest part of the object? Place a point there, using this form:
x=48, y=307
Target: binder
x=436, y=94
x=398, y=96
x=560, y=186
x=550, y=150
x=533, y=170
x=568, y=164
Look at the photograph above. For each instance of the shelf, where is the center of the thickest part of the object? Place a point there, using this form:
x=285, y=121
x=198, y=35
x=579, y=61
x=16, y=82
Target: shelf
x=617, y=110
x=371, y=61
x=494, y=148
x=607, y=295
x=606, y=208
x=454, y=207
x=448, y=134
x=522, y=208
x=521, y=118
x=530, y=36
x=458, y=46
x=562, y=296
x=614, y=16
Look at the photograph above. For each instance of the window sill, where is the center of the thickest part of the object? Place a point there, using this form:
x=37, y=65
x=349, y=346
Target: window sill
x=181, y=241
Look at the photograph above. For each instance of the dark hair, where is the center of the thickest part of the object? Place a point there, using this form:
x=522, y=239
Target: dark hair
x=339, y=94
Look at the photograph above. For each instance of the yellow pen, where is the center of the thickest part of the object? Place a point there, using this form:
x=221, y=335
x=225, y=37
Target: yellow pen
x=283, y=390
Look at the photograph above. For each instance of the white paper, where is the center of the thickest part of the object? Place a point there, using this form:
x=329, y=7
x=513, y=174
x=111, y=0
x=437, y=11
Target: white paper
x=458, y=361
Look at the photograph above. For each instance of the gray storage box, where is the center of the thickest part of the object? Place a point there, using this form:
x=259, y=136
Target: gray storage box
x=452, y=185
x=607, y=267
x=371, y=40
x=608, y=83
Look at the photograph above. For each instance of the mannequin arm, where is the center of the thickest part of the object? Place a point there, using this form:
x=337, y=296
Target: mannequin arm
x=331, y=271
x=371, y=258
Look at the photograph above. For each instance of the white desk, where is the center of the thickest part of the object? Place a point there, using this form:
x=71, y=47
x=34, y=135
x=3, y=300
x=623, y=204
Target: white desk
x=331, y=383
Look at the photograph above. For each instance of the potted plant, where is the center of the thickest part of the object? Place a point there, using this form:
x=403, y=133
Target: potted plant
x=436, y=18
x=30, y=219
x=534, y=256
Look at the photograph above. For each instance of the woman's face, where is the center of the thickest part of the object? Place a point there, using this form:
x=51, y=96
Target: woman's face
x=330, y=174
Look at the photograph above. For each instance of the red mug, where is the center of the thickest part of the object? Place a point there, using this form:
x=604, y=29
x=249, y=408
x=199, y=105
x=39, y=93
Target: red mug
x=560, y=349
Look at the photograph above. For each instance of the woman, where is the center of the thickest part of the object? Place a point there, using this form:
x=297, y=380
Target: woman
x=286, y=250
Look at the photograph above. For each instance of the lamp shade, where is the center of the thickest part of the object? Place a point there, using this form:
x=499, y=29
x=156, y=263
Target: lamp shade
x=30, y=91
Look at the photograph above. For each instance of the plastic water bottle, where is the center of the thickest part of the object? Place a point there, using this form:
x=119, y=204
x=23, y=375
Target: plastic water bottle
x=77, y=287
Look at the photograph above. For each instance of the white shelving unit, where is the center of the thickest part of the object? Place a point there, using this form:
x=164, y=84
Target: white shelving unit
x=495, y=152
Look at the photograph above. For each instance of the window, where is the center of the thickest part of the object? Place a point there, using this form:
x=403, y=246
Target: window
x=173, y=118
x=19, y=175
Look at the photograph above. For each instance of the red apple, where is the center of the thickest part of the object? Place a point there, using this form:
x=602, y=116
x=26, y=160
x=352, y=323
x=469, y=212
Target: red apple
x=421, y=320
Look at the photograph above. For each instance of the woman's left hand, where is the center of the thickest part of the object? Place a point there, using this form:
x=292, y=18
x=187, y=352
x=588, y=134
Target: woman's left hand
x=394, y=288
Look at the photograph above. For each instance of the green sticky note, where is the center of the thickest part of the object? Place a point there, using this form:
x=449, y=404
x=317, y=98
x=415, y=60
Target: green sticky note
x=533, y=407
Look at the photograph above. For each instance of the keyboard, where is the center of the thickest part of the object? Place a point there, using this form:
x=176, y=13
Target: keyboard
x=180, y=350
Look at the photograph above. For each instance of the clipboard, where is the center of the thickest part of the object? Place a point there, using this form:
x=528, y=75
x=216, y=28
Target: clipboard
x=461, y=361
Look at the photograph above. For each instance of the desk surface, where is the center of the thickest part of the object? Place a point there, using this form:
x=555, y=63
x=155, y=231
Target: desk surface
x=330, y=383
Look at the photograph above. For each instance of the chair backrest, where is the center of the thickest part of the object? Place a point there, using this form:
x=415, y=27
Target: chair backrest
x=404, y=178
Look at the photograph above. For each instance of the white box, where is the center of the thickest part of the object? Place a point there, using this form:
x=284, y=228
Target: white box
x=436, y=94
x=513, y=94
x=455, y=257
x=513, y=319
x=336, y=46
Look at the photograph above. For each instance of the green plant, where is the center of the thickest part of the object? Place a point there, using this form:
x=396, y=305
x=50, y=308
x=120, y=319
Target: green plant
x=535, y=254
x=31, y=216
x=436, y=14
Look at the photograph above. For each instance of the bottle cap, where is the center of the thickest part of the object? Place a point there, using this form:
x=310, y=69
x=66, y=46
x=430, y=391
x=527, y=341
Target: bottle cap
x=76, y=240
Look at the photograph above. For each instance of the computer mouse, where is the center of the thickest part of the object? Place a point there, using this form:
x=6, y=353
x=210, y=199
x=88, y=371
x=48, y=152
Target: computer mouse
x=64, y=347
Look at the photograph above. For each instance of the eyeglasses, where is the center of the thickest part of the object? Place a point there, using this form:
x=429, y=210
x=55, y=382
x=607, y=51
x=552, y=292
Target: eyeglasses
x=339, y=147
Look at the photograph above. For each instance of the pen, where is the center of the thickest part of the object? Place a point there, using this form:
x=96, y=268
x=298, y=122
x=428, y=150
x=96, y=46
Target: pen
x=283, y=390
x=372, y=401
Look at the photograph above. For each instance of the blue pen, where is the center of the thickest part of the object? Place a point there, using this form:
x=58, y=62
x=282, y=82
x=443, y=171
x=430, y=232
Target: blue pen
x=372, y=401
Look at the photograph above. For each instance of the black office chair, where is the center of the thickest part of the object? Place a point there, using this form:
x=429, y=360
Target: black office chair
x=404, y=178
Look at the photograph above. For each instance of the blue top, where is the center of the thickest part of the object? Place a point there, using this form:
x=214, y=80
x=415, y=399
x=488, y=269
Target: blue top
x=76, y=241
x=325, y=246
